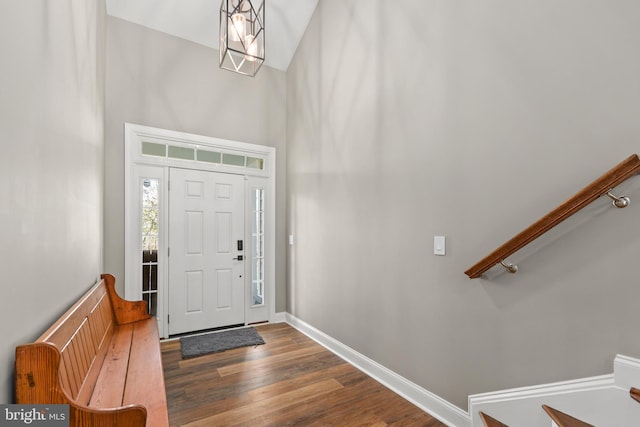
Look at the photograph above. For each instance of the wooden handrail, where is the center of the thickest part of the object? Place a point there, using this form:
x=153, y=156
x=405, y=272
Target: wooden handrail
x=635, y=394
x=620, y=173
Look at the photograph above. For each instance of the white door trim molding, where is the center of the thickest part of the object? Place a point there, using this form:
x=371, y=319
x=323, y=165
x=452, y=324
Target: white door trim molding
x=162, y=148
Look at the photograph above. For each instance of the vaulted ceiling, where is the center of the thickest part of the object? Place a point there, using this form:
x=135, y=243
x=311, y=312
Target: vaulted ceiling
x=198, y=21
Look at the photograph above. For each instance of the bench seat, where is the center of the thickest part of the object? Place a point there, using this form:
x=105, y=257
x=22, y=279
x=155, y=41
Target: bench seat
x=103, y=358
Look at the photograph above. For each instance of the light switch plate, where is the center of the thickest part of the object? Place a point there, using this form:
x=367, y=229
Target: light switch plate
x=438, y=245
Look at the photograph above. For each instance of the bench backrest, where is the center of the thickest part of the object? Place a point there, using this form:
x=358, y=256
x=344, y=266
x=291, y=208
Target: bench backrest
x=73, y=348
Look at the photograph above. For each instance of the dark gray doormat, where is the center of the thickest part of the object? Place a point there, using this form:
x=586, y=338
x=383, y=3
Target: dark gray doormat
x=214, y=342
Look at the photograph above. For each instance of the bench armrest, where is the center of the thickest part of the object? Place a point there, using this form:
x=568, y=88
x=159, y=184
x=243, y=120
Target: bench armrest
x=36, y=374
x=124, y=311
x=125, y=416
x=38, y=382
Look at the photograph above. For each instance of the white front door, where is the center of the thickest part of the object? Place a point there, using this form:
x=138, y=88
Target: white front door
x=206, y=242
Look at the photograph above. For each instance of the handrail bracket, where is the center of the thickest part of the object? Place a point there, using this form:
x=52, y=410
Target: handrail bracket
x=618, y=201
x=510, y=267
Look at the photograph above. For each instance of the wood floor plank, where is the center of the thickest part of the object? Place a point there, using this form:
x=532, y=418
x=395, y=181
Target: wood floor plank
x=264, y=407
x=268, y=361
x=282, y=387
x=228, y=392
x=290, y=380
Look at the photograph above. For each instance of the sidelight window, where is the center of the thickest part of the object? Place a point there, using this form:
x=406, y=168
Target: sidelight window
x=257, y=253
x=149, y=222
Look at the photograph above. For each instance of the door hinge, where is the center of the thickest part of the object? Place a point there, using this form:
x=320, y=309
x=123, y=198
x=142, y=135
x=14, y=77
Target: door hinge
x=168, y=252
x=168, y=316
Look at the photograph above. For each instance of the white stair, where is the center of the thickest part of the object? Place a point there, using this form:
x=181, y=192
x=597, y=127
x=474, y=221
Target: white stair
x=601, y=401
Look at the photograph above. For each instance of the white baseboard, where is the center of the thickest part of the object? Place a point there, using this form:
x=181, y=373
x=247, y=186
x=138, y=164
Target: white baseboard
x=280, y=317
x=580, y=385
x=422, y=398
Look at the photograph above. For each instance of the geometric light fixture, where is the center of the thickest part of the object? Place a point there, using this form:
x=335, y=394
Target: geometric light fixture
x=242, y=36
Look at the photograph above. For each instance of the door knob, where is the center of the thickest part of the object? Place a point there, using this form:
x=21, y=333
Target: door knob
x=239, y=258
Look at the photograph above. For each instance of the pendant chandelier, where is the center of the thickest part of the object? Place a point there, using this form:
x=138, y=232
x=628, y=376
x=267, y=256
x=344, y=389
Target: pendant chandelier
x=242, y=36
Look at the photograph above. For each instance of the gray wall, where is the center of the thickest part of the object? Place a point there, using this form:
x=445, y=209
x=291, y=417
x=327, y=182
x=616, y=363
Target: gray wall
x=51, y=165
x=158, y=80
x=410, y=119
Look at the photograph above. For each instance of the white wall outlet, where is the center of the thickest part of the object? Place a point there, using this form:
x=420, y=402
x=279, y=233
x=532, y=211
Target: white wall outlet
x=438, y=245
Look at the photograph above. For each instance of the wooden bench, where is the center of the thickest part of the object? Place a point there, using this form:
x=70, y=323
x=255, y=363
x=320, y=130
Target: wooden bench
x=102, y=357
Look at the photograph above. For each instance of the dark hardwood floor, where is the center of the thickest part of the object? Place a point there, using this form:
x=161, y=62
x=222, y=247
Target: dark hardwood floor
x=289, y=381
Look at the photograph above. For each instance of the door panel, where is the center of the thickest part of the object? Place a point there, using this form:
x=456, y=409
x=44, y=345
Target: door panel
x=206, y=219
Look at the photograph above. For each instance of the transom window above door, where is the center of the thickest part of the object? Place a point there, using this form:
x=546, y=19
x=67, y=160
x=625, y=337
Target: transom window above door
x=201, y=155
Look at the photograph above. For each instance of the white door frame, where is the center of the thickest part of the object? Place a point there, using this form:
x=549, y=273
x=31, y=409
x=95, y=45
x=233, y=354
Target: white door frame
x=258, y=169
